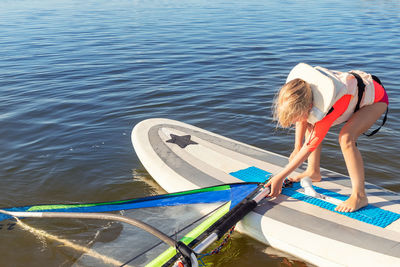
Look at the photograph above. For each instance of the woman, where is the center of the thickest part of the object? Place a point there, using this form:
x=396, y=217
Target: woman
x=314, y=99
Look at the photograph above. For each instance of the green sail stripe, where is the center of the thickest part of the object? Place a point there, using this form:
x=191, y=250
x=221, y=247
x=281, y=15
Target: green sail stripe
x=207, y=189
x=192, y=235
x=71, y=206
x=62, y=206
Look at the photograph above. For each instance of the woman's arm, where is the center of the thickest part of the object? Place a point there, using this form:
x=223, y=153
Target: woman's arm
x=277, y=180
x=301, y=128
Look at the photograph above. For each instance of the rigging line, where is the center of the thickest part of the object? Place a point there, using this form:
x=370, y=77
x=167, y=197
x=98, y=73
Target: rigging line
x=212, y=229
x=234, y=216
x=178, y=232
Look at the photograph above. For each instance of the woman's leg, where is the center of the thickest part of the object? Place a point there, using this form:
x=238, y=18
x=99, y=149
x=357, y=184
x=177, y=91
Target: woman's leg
x=313, y=164
x=359, y=123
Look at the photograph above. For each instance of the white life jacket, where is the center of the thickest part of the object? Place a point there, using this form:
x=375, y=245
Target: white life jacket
x=329, y=86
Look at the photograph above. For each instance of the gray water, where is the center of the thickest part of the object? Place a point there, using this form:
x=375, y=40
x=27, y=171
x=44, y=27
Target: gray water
x=76, y=76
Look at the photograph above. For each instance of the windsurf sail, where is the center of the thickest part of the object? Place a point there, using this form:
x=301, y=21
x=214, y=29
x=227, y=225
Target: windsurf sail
x=188, y=219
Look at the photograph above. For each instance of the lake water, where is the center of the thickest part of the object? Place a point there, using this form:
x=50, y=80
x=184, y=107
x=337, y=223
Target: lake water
x=76, y=76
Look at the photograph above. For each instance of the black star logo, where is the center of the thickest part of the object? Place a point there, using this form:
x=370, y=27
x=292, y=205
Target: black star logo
x=182, y=141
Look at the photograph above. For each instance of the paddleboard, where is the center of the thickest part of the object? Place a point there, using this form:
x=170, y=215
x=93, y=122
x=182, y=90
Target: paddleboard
x=181, y=157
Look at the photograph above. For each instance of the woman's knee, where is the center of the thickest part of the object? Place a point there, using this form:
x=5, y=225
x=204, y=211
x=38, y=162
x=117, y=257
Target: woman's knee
x=347, y=140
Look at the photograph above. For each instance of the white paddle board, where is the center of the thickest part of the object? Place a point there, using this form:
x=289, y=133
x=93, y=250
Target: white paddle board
x=181, y=157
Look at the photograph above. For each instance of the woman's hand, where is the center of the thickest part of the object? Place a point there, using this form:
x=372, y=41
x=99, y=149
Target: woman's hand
x=276, y=185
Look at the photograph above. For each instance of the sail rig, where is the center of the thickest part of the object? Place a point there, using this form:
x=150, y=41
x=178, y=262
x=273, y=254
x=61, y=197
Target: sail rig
x=185, y=222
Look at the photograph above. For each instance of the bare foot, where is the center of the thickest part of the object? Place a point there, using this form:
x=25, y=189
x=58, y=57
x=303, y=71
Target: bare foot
x=353, y=203
x=315, y=176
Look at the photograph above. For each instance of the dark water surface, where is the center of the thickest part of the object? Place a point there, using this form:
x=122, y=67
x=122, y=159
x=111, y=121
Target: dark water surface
x=76, y=76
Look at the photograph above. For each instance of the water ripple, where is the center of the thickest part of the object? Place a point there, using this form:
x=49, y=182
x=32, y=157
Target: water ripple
x=76, y=76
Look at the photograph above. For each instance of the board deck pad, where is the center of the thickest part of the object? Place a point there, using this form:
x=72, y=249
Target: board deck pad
x=369, y=214
x=252, y=174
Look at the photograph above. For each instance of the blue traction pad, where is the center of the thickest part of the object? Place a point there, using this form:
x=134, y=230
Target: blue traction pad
x=369, y=214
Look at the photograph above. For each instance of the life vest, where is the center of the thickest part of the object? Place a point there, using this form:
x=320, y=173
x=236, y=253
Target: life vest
x=329, y=86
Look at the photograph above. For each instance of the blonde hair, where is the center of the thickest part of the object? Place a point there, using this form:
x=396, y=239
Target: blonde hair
x=293, y=102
